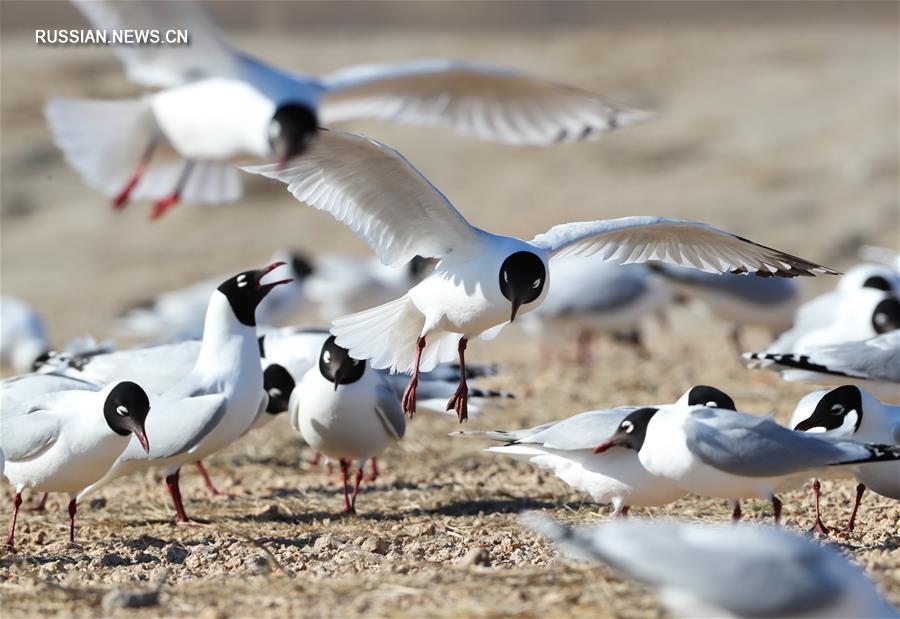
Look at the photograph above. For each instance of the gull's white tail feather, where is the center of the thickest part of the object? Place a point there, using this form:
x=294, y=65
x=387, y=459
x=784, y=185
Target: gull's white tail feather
x=386, y=335
x=104, y=142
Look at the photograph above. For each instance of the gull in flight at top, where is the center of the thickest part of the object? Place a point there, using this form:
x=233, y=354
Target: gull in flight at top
x=217, y=105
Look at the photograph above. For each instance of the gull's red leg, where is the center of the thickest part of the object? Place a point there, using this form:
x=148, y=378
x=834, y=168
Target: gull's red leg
x=359, y=477
x=175, y=491
x=345, y=482
x=776, y=508
x=374, y=474
x=164, y=204
x=41, y=505
x=121, y=198
x=460, y=400
x=819, y=526
x=409, y=395
x=736, y=513
x=72, y=508
x=17, y=501
x=207, y=480
x=860, y=489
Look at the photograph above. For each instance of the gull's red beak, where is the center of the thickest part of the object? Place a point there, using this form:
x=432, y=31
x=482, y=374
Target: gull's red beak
x=142, y=439
x=266, y=271
x=599, y=449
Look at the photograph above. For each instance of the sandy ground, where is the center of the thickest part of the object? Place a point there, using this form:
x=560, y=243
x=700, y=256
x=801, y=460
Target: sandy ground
x=783, y=130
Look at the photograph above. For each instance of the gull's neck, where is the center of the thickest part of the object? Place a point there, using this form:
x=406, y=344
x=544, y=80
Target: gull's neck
x=225, y=339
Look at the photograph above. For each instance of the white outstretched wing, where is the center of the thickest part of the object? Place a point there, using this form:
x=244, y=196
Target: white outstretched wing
x=688, y=243
x=377, y=193
x=483, y=101
x=208, y=54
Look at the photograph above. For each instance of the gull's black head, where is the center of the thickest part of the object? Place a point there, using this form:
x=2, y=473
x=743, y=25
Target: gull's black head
x=878, y=282
x=704, y=395
x=832, y=410
x=279, y=384
x=886, y=316
x=522, y=278
x=419, y=267
x=291, y=130
x=300, y=265
x=337, y=366
x=125, y=410
x=631, y=432
x=245, y=291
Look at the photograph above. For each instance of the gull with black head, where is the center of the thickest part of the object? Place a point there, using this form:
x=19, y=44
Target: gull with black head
x=65, y=441
x=567, y=449
x=346, y=412
x=726, y=454
x=481, y=280
x=851, y=412
x=220, y=397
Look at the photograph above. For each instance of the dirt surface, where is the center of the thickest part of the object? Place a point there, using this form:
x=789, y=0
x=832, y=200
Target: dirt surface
x=781, y=130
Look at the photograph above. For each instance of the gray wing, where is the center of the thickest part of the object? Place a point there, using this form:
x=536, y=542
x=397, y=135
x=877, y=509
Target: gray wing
x=748, y=570
x=177, y=427
x=388, y=409
x=758, y=447
x=17, y=393
x=877, y=358
x=26, y=436
x=755, y=290
x=582, y=431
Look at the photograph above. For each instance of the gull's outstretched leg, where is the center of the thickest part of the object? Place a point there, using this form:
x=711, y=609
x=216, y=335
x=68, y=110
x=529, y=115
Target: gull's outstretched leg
x=208, y=482
x=460, y=400
x=164, y=204
x=121, y=198
x=409, y=394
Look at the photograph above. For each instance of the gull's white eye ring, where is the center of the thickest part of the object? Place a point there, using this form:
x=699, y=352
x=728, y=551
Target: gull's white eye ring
x=536, y=283
x=712, y=404
x=122, y=410
x=837, y=409
x=274, y=392
x=356, y=362
x=505, y=277
x=326, y=356
x=627, y=426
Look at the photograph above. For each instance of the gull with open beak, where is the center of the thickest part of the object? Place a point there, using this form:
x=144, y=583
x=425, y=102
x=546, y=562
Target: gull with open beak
x=219, y=399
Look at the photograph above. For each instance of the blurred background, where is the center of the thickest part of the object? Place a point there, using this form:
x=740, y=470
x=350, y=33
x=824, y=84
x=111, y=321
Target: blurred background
x=777, y=121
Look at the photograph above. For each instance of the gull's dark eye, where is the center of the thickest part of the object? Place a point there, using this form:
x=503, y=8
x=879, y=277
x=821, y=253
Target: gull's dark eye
x=326, y=356
x=274, y=392
x=122, y=411
x=837, y=409
x=627, y=427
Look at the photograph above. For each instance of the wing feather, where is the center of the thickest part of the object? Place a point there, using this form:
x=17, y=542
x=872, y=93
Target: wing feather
x=688, y=243
x=483, y=101
x=375, y=191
